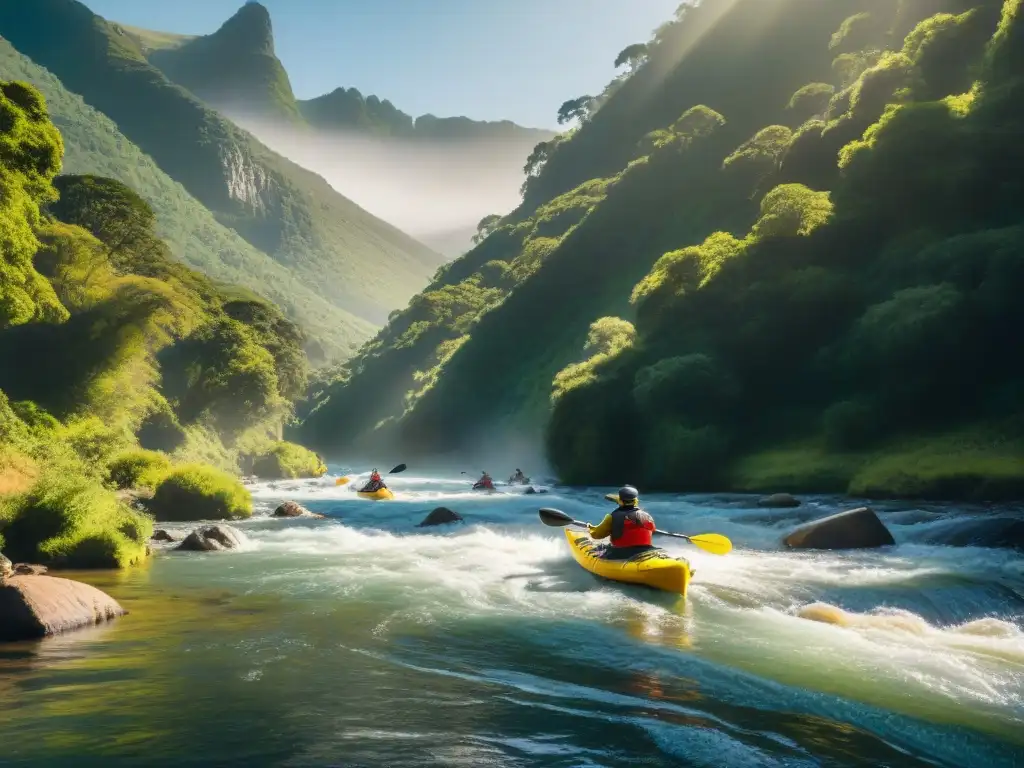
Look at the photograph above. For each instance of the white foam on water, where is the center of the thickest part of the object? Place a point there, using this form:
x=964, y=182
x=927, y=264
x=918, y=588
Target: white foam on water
x=760, y=610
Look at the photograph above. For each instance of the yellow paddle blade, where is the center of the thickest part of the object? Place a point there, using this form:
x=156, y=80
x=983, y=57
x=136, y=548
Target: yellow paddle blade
x=715, y=543
x=342, y=480
x=612, y=498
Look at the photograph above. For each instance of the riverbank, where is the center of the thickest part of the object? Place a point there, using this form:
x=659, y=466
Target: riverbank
x=970, y=465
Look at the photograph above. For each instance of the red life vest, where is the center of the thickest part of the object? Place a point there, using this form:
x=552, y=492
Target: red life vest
x=631, y=527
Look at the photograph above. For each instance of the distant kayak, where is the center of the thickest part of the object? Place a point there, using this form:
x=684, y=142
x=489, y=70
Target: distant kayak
x=654, y=568
x=380, y=494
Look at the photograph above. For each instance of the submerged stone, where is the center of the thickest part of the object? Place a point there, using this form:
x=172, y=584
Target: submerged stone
x=441, y=516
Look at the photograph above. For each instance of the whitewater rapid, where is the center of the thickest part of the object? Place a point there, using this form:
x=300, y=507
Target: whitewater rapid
x=932, y=632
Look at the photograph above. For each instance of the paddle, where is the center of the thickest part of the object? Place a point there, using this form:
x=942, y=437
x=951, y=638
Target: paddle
x=714, y=543
x=400, y=468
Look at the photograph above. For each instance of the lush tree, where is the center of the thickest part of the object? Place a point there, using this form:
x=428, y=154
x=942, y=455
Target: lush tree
x=30, y=156
x=575, y=109
x=117, y=216
x=811, y=101
x=633, y=55
x=485, y=227
x=792, y=209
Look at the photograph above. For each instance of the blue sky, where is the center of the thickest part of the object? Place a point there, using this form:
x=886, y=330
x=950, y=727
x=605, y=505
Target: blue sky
x=488, y=59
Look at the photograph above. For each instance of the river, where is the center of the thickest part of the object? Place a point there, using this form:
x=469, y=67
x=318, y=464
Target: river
x=362, y=640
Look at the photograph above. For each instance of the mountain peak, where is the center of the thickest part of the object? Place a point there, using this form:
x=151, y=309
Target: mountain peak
x=250, y=28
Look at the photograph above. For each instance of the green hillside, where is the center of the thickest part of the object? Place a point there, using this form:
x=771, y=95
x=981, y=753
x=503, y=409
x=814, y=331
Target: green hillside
x=117, y=363
x=235, y=69
x=93, y=145
x=344, y=254
x=781, y=254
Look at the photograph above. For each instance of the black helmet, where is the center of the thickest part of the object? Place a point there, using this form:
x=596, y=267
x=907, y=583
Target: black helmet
x=628, y=494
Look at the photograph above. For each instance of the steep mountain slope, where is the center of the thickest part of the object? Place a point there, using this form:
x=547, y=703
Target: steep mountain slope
x=235, y=69
x=93, y=145
x=344, y=254
x=767, y=314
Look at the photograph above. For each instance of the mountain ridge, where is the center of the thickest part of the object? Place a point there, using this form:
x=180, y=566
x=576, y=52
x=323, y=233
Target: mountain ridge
x=284, y=210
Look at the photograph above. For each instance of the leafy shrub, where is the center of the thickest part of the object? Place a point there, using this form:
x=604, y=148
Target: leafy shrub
x=681, y=457
x=92, y=440
x=811, y=101
x=692, y=387
x=286, y=461
x=71, y=521
x=197, y=492
x=135, y=469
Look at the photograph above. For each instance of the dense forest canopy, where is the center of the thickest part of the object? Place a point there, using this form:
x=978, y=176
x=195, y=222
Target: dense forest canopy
x=788, y=238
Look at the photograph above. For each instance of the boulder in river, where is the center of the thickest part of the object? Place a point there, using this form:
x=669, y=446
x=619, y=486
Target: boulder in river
x=291, y=509
x=6, y=567
x=163, y=535
x=854, y=529
x=440, y=516
x=36, y=606
x=212, y=538
x=778, y=501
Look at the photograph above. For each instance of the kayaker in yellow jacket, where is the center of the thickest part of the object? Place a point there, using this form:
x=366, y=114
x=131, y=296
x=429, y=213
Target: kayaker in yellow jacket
x=629, y=527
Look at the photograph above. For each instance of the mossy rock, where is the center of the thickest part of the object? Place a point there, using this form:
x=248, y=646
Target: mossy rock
x=287, y=461
x=73, y=522
x=137, y=469
x=197, y=492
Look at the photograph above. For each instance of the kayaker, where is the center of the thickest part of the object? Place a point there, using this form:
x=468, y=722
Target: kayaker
x=518, y=478
x=375, y=484
x=485, y=483
x=629, y=527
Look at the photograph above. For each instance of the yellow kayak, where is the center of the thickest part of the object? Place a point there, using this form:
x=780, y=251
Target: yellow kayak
x=653, y=569
x=380, y=494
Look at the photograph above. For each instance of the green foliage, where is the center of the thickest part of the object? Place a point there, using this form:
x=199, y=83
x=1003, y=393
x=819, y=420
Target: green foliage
x=284, y=460
x=856, y=33
x=112, y=212
x=676, y=456
x=221, y=372
x=138, y=469
x=73, y=522
x=792, y=209
x=575, y=109
x=485, y=227
x=758, y=158
x=691, y=389
x=811, y=101
x=696, y=123
x=196, y=492
x=30, y=155
x=634, y=55
x=851, y=425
